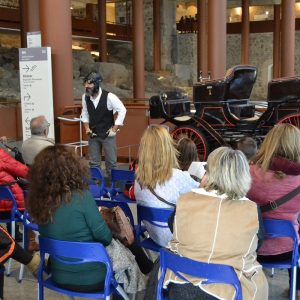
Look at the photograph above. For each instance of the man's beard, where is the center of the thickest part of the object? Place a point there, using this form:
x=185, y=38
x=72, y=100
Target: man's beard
x=91, y=91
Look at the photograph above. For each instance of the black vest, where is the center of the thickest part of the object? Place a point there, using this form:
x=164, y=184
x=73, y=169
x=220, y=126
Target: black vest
x=101, y=119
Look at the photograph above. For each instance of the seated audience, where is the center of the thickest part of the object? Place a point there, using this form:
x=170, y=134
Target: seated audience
x=9, y=248
x=158, y=171
x=188, y=158
x=248, y=146
x=276, y=172
x=39, y=140
x=218, y=224
x=60, y=203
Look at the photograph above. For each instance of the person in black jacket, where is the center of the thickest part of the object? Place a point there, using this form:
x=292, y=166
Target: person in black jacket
x=9, y=248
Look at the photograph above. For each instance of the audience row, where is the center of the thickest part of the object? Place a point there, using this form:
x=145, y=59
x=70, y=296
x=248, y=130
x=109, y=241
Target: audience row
x=216, y=217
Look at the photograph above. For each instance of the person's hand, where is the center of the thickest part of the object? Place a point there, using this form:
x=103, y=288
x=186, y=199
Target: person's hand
x=111, y=132
x=88, y=130
x=3, y=139
x=115, y=128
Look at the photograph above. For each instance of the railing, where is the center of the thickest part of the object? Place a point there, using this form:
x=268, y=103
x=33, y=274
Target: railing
x=129, y=150
x=10, y=18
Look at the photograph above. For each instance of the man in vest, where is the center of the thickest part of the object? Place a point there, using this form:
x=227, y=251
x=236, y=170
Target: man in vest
x=98, y=108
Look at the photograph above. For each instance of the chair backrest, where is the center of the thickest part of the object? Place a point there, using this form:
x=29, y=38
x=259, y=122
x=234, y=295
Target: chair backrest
x=96, y=175
x=96, y=183
x=121, y=175
x=214, y=273
x=240, y=80
x=153, y=215
x=6, y=194
x=284, y=89
x=79, y=252
x=282, y=228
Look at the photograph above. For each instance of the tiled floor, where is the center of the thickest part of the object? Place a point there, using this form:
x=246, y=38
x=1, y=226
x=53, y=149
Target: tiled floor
x=27, y=290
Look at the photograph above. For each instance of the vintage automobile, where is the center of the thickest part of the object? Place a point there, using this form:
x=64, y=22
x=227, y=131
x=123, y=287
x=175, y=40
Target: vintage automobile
x=221, y=111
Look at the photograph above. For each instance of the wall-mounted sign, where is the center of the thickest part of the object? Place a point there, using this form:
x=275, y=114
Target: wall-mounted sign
x=34, y=39
x=36, y=87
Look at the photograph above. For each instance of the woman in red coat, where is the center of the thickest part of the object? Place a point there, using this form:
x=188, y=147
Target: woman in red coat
x=10, y=169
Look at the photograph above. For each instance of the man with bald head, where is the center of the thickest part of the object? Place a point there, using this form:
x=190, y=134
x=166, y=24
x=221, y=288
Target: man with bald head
x=39, y=140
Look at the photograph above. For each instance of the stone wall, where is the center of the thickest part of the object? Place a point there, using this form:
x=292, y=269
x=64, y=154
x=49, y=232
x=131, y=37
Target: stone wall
x=261, y=56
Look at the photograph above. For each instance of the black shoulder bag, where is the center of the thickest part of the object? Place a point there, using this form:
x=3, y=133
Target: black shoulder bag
x=160, y=198
x=274, y=204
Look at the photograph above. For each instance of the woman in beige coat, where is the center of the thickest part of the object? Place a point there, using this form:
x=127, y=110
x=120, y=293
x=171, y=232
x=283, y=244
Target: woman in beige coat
x=217, y=224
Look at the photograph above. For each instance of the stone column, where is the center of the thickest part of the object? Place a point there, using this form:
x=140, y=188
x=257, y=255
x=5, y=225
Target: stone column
x=138, y=49
x=276, y=42
x=29, y=17
x=169, y=47
x=217, y=38
x=202, y=38
x=245, y=32
x=156, y=36
x=102, y=30
x=288, y=38
x=56, y=29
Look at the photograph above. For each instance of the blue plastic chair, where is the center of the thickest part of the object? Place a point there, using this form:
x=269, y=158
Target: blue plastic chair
x=15, y=215
x=120, y=177
x=214, y=273
x=97, y=183
x=151, y=215
x=83, y=253
x=283, y=228
x=27, y=225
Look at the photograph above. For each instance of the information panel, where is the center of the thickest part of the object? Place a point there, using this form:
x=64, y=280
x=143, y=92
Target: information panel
x=36, y=87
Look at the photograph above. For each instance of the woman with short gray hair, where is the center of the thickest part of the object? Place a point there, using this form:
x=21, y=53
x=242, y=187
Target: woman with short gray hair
x=218, y=224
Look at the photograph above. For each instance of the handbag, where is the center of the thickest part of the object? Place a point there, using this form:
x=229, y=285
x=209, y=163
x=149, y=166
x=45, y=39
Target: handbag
x=274, y=204
x=118, y=223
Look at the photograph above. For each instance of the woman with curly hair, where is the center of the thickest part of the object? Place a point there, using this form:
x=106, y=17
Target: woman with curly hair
x=60, y=203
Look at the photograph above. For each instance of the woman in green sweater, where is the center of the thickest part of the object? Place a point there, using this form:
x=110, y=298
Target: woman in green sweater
x=60, y=203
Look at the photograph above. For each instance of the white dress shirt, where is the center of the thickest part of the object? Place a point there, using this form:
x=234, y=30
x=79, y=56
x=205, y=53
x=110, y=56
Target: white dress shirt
x=113, y=103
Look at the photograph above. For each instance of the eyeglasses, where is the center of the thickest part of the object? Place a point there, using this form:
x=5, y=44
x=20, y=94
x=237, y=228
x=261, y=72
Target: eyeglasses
x=159, y=125
x=88, y=82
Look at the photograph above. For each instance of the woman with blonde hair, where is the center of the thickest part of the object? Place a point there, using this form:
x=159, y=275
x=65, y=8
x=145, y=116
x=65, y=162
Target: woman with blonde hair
x=158, y=173
x=218, y=224
x=275, y=172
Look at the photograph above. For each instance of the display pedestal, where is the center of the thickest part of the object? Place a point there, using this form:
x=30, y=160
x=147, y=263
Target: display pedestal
x=77, y=145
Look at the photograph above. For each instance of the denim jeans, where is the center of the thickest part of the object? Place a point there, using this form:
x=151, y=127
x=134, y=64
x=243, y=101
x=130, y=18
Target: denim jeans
x=109, y=147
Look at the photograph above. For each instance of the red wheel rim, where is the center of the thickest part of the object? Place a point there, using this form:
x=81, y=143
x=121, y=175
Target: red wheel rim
x=195, y=136
x=292, y=119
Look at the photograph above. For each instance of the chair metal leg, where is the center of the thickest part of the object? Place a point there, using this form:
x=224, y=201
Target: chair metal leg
x=40, y=292
x=122, y=292
x=21, y=273
x=13, y=234
x=293, y=283
x=272, y=272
